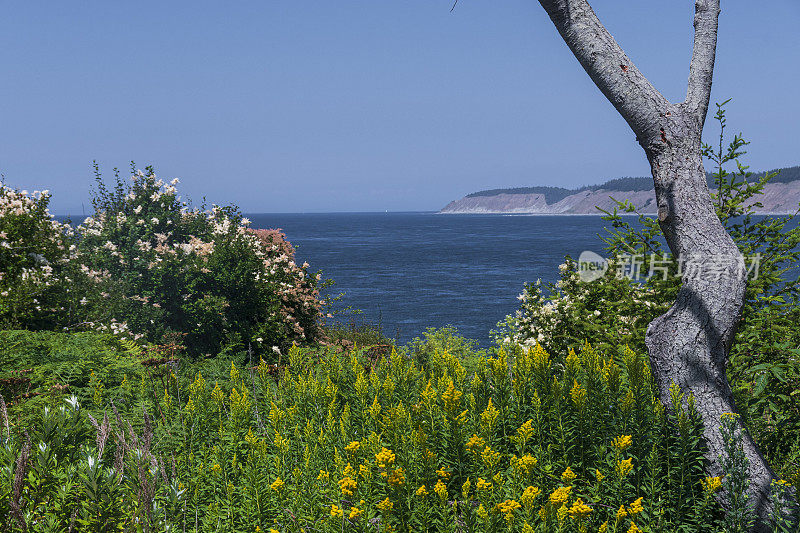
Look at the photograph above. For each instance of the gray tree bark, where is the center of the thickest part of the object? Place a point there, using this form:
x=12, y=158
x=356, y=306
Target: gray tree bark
x=689, y=344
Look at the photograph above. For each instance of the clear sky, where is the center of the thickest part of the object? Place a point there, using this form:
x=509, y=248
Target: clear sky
x=370, y=105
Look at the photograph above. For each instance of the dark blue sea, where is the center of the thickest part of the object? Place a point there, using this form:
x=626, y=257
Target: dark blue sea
x=410, y=271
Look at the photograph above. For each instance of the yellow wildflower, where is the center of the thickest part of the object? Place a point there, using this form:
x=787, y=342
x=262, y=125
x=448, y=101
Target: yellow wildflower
x=568, y=475
x=475, y=443
x=347, y=485
x=507, y=508
x=621, y=512
x=489, y=415
x=386, y=505
x=451, y=397
x=483, y=484
x=482, y=514
x=490, y=457
x=323, y=475
x=560, y=495
x=634, y=529
x=385, y=458
x=524, y=464
x=624, y=467
x=525, y=431
x=622, y=442
x=562, y=513
x=465, y=488
x=336, y=511
x=443, y=473
x=579, y=509
x=712, y=484
x=441, y=490
x=355, y=513
x=529, y=495
x=599, y=475
x=422, y=491
x=277, y=485
x=603, y=527
x=397, y=478
x=353, y=446
x=636, y=506
x=578, y=395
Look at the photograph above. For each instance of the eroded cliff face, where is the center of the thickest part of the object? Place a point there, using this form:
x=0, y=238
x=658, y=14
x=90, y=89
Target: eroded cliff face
x=778, y=198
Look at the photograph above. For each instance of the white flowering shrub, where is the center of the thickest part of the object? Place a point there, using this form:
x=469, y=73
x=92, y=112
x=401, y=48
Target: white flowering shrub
x=169, y=269
x=610, y=311
x=39, y=283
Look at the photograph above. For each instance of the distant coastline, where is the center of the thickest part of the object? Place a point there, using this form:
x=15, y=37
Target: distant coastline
x=781, y=196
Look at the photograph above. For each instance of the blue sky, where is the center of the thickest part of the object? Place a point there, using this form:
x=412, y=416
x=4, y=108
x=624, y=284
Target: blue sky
x=294, y=106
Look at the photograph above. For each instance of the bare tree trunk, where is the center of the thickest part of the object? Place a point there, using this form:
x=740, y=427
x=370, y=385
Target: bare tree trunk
x=689, y=344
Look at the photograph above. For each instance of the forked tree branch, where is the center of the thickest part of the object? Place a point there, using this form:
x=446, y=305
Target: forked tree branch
x=701, y=69
x=633, y=96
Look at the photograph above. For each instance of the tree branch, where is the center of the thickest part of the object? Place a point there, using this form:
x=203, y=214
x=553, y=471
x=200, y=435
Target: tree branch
x=633, y=96
x=701, y=69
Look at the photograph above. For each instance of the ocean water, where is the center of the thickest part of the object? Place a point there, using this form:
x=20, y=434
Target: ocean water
x=410, y=271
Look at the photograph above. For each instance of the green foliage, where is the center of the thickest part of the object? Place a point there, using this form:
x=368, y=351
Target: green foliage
x=764, y=362
x=525, y=442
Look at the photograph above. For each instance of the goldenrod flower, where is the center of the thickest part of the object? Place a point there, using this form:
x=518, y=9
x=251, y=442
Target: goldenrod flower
x=622, y=442
x=562, y=513
x=336, y=511
x=633, y=529
x=277, y=485
x=568, y=475
x=507, y=508
x=711, y=484
x=216, y=468
x=621, y=512
x=475, y=443
x=355, y=513
x=441, y=490
x=529, y=495
x=524, y=464
x=422, y=491
x=443, y=473
x=489, y=415
x=636, y=506
x=465, y=488
x=323, y=475
x=599, y=475
x=353, y=446
x=396, y=478
x=603, y=527
x=386, y=505
x=578, y=395
x=624, y=467
x=490, y=457
x=451, y=397
x=482, y=513
x=347, y=485
x=579, y=509
x=525, y=431
x=560, y=495
x=483, y=484
x=385, y=458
